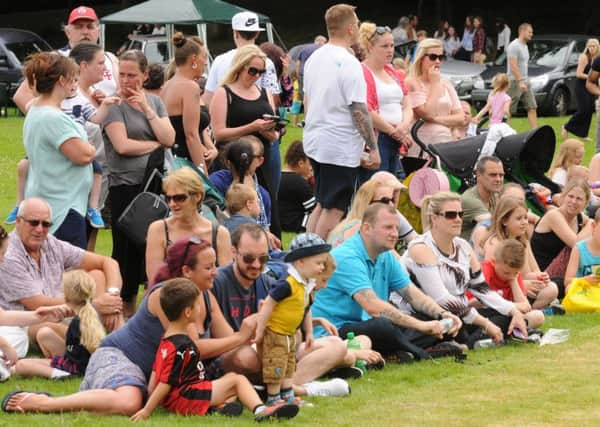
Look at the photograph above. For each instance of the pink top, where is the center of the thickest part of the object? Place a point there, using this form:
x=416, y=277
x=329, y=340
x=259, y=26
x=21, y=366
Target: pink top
x=433, y=133
x=497, y=102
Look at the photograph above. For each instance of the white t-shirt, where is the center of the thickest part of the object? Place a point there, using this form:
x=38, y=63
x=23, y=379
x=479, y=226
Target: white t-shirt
x=389, y=97
x=333, y=80
x=504, y=37
x=222, y=64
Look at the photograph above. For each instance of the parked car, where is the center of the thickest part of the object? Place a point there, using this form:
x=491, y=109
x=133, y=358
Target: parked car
x=552, y=67
x=15, y=46
x=461, y=74
x=155, y=47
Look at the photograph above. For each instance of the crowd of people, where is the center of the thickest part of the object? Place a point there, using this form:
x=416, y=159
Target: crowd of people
x=229, y=318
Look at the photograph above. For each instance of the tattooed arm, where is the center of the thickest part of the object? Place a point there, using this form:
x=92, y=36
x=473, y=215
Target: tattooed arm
x=376, y=307
x=364, y=125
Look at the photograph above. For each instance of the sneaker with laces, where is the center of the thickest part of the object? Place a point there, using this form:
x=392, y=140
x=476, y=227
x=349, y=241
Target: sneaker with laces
x=12, y=216
x=95, y=218
x=335, y=387
x=280, y=410
x=444, y=349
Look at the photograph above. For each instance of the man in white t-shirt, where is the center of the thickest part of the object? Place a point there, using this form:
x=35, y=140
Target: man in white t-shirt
x=246, y=30
x=338, y=124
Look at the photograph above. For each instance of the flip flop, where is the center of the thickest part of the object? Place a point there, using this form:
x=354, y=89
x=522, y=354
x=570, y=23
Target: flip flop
x=26, y=394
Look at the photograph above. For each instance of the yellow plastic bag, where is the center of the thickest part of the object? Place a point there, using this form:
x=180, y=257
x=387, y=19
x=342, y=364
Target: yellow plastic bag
x=582, y=297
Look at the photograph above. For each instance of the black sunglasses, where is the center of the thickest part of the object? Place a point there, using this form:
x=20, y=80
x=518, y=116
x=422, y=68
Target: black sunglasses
x=434, y=56
x=192, y=240
x=177, y=198
x=37, y=222
x=379, y=31
x=384, y=200
x=451, y=214
x=249, y=258
x=254, y=71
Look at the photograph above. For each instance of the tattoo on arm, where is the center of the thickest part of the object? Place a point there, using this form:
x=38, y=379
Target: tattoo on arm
x=365, y=295
x=363, y=123
x=395, y=316
x=422, y=303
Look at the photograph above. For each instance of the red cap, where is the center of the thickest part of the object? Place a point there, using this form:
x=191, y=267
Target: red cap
x=82, y=12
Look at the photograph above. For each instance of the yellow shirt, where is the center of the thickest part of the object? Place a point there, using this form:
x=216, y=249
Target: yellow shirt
x=292, y=299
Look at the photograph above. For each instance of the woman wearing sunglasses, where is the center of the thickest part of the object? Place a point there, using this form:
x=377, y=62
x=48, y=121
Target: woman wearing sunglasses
x=445, y=267
x=239, y=108
x=433, y=99
x=386, y=96
x=184, y=193
x=115, y=381
x=136, y=127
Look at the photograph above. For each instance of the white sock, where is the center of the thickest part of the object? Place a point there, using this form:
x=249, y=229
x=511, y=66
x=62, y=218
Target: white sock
x=58, y=373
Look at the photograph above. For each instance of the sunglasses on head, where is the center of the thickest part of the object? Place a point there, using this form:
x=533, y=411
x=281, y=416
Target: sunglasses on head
x=37, y=222
x=384, y=200
x=249, y=258
x=177, y=198
x=253, y=71
x=379, y=31
x=435, y=56
x=451, y=214
x=192, y=240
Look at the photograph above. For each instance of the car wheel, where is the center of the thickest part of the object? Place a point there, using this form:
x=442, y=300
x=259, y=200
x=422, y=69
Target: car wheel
x=559, y=104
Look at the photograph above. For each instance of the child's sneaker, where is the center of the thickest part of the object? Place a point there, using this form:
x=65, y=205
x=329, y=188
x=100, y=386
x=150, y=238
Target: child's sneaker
x=280, y=410
x=95, y=218
x=335, y=387
x=229, y=409
x=12, y=216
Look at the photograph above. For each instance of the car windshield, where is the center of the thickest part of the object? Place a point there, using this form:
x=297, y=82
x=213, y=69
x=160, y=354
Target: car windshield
x=21, y=50
x=549, y=53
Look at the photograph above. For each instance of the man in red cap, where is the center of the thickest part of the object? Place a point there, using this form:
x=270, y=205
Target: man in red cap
x=82, y=27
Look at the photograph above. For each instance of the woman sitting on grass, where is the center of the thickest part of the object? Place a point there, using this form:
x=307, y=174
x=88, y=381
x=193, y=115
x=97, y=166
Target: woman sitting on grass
x=115, y=381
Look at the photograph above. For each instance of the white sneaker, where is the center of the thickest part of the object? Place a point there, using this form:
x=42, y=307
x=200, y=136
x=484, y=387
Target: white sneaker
x=335, y=387
x=4, y=371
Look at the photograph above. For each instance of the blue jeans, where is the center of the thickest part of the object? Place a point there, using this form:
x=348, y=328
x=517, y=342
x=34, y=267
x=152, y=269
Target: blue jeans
x=275, y=167
x=390, y=160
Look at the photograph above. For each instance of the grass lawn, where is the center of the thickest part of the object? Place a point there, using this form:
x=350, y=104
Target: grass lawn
x=512, y=385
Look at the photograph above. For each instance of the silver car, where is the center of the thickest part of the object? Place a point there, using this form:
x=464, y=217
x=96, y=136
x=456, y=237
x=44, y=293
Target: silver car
x=462, y=75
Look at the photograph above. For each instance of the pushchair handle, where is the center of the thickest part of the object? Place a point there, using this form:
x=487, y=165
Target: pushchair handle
x=414, y=133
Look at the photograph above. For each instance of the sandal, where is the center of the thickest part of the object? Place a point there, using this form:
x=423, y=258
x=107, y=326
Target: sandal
x=18, y=408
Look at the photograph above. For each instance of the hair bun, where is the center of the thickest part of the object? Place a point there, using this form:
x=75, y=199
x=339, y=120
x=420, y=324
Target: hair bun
x=179, y=39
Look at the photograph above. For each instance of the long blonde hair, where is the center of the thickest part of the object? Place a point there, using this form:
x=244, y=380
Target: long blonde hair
x=79, y=289
x=432, y=205
x=566, y=154
x=242, y=58
x=415, y=68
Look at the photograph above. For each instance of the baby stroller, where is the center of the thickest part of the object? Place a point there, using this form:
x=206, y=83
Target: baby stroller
x=525, y=156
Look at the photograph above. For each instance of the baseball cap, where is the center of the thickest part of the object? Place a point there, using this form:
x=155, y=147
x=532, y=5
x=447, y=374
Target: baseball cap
x=245, y=21
x=305, y=245
x=82, y=12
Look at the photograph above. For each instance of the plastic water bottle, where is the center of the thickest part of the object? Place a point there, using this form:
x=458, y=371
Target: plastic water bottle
x=484, y=343
x=354, y=344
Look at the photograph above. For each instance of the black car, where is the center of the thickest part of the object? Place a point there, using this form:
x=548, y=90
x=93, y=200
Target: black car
x=552, y=66
x=15, y=46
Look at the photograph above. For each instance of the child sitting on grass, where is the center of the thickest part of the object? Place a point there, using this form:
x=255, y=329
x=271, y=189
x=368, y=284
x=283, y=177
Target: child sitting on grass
x=83, y=335
x=242, y=205
x=584, y=261
x=286, y=308
x=503, y=274
x=178, y=378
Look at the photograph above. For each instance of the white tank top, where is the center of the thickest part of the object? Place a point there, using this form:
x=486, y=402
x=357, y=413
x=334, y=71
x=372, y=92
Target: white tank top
x=389, y=96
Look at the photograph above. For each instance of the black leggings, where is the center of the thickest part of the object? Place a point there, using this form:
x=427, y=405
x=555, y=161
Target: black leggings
x=129, y=255
x=468, y=334
x=388, y=337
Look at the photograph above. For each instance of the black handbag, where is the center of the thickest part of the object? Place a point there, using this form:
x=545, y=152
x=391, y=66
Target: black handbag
x=143, y=210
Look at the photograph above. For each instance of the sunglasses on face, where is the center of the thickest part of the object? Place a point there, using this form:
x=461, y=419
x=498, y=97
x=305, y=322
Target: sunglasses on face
x=451, y=214
x=177, y=198
x=37, y=222
x=379, y=31
x=253, y=71
x=384, y=200
x=434, y=56
x=249, y=258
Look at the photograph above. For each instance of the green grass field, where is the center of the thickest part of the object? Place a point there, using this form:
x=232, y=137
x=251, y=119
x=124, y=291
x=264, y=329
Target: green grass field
x=513, y=385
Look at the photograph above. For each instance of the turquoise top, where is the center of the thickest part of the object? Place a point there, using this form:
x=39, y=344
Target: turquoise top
x=587, y=262
x=52, y=176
